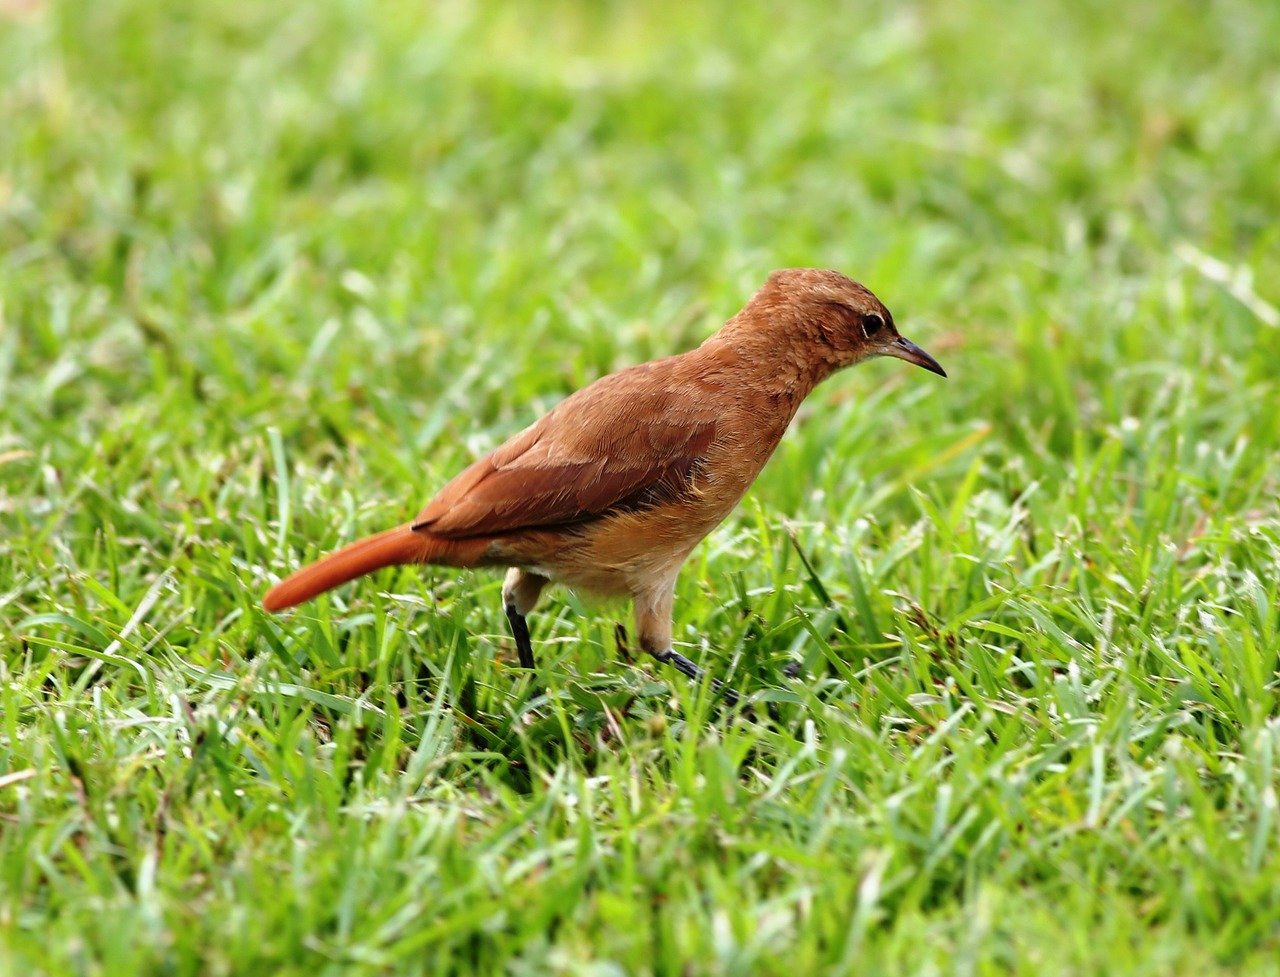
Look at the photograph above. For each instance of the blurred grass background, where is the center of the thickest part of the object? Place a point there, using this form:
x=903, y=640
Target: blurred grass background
x=269, y=275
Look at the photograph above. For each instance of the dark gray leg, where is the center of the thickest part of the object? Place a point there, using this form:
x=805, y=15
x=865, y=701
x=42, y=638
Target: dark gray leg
x=671, y=657
x=520, y=592
x=520, y=631
x=653, y=628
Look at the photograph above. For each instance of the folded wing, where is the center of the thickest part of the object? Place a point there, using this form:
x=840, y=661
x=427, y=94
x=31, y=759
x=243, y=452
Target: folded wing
x=614, y=446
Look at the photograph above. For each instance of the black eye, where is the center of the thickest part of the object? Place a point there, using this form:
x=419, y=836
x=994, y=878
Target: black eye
x=872, y=323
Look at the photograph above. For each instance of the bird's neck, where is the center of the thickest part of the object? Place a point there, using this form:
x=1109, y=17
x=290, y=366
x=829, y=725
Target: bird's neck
x=773, y=358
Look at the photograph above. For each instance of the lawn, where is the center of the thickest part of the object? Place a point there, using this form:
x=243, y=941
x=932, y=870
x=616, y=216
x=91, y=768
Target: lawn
x=271, y=274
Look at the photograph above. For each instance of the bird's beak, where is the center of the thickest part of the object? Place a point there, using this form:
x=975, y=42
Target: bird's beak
x=905, y=349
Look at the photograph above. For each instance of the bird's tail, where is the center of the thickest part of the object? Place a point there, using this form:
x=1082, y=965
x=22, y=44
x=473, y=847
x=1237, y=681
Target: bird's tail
x=395, y=547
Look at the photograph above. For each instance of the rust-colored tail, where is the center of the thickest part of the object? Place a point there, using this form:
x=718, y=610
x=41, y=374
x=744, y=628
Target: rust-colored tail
x=395, y=547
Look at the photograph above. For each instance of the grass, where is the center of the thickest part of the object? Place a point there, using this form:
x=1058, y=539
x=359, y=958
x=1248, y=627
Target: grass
x=271, y=273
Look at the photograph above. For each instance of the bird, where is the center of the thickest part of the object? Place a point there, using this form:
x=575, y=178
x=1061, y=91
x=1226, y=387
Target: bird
x=611, y=490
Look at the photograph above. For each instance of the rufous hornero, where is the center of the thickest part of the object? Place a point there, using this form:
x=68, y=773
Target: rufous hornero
x=612, y=489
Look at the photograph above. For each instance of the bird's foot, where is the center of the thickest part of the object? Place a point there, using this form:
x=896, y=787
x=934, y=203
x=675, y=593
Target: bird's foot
x=672, y=657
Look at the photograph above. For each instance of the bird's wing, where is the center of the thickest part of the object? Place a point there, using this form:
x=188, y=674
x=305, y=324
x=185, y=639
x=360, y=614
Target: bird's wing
x=615, y=444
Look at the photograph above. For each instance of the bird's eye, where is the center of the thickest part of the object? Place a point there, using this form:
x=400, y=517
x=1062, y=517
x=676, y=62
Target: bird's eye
x=872, y=323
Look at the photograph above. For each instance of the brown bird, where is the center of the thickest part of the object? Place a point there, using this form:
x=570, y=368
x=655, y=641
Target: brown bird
x=613, y=488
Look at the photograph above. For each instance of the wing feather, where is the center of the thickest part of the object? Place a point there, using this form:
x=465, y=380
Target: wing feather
x=613, y=446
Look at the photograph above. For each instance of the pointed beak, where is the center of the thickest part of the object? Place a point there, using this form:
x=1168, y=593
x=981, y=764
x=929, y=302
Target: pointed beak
x=905, y=349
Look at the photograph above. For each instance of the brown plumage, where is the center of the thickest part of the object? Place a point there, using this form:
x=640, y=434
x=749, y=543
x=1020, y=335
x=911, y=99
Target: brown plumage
x=615, y=486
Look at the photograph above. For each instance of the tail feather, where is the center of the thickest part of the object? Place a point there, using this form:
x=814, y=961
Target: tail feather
x=395, y=547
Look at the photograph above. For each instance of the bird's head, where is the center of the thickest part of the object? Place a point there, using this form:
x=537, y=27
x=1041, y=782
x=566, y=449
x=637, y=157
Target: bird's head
x=842, y=315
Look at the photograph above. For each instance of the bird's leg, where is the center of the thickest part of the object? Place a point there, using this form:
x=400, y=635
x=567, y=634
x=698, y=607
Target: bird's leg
x=520, y=592
x=520, y=631
x=673, y=657
x=653, y=627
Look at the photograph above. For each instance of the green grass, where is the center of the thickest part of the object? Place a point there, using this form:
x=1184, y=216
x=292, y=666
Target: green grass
x=270, y=274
